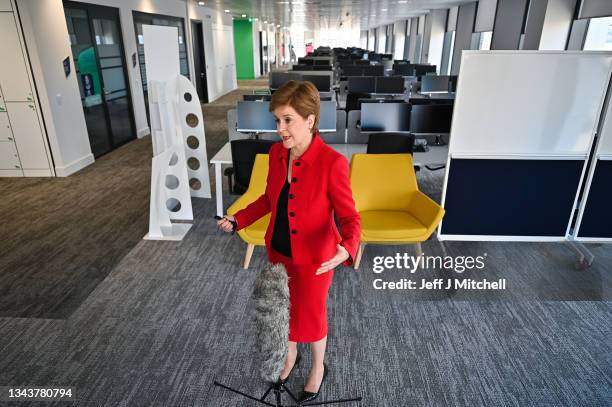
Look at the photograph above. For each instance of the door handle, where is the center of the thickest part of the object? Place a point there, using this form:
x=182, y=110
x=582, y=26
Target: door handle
x=202, y=74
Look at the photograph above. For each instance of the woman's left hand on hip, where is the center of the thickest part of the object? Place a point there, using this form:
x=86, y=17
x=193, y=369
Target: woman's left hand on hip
x=339, y=258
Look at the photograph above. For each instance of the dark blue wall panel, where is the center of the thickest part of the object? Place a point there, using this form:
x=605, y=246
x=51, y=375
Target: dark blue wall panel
x=510, y=197
x=597, y=217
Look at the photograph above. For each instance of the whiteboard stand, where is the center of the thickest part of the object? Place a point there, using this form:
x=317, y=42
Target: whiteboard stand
x=523, y=128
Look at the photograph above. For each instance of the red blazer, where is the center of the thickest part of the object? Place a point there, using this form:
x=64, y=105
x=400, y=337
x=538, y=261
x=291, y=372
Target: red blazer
x=320, y=186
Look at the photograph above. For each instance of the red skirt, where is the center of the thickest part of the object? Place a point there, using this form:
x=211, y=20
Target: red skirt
x=307, y=298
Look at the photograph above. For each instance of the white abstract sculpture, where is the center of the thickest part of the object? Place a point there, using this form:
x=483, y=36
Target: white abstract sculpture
x=179, y=166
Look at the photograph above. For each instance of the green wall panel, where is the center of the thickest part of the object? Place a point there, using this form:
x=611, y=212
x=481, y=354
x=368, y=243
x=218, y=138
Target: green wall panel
x=243, y=46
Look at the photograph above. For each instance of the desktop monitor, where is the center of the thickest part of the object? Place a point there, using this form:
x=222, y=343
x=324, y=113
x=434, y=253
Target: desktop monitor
x=278, y=79
x=352, y=70
x=421, y=70
x=453, y=82
x=385, y=117
x=251, y=98
x=389, y=84
x=255, y=117
x=362, y=62
x=321, y=62
x=322, y=82
x=327, y=116
x=374, y=70
x=435, y=84
x=361, y=84
x=302, y=67
x=321, y=67
x=431, y=119
x=372, y=99
x=375, y=57
x=403, y=69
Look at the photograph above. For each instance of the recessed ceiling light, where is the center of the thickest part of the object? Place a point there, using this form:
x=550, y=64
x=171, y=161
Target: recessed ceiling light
x=373, y=15
x=278, y=26
x=201, y=3
x=256, y=19
x=402, y=2
x=227, y=11
x=244, y=16
x=384, y=9
x=265, y=22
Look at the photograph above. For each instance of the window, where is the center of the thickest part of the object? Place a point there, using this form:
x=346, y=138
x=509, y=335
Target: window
x=599, y=35
x=485, y=40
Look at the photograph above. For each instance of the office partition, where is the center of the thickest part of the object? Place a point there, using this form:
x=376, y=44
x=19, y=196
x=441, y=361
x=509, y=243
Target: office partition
x=522, y=129
x=594, y=222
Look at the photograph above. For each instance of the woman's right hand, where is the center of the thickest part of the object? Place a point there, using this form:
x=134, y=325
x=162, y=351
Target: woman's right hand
x=225, y=223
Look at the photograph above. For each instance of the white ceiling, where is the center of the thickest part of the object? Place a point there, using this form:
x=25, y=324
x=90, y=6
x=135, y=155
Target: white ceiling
x=317, y=14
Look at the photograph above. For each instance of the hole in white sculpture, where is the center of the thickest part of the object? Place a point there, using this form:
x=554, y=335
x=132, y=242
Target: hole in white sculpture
x=172, y=182
x=195, y=184
x=187, y=96
x=193, y=142
x=193, y=163
x=173, y=159
x=192, y=120
x=173, y=205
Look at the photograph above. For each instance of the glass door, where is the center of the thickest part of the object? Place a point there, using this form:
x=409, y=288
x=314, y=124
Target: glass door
x=97, y=49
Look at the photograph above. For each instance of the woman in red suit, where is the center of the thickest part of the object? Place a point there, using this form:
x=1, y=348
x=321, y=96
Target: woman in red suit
x=308, y=182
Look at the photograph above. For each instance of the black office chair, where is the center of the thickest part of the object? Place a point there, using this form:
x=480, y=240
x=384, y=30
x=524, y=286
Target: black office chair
x=352, y=100
x=243, y=158
x=390, y=143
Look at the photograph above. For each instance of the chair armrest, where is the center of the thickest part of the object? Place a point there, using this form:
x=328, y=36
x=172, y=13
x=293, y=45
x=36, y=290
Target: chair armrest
x=426, y=210
x=242, y=202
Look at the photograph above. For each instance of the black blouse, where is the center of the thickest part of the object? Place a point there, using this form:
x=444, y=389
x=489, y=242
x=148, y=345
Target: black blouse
x=280, y=237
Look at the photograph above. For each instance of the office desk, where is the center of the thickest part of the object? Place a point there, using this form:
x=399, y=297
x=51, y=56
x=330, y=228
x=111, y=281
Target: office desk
x=435, y=156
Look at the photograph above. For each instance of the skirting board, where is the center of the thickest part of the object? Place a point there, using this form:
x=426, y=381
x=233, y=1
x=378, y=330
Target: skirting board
x=75, y=166
x=38, y=173
x=11, y=173
x=143, y=132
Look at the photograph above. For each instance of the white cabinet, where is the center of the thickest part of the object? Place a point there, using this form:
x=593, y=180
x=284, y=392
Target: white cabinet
x=29, y=137
x=9, y=160
x=5, y=128
x=13, y=69
x=5, y=5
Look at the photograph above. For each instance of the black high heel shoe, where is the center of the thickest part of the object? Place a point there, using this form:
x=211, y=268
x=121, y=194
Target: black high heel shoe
x=297, y=362
x=306, y=396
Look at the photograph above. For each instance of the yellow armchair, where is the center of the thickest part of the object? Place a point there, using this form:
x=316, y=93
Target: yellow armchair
x=253, y=234
x=387, y=197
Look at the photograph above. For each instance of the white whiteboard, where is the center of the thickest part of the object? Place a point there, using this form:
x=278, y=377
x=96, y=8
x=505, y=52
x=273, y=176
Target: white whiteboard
x=161, y=52
x=528, y=103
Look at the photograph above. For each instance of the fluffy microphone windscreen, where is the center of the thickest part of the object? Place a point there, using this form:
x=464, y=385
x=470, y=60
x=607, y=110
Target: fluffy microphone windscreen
x=271, y=296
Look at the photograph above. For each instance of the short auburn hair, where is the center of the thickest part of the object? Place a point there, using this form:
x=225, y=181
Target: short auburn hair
x=302, y=96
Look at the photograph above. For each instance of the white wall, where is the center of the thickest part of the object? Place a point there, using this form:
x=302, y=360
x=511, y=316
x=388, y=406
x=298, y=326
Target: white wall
x=59, y=95
x=218, y=77
x=256, y=45
x=218, y=33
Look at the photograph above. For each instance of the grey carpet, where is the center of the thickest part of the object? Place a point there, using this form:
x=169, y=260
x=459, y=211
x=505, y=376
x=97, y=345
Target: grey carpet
x=62, y=236
x=160, y=321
